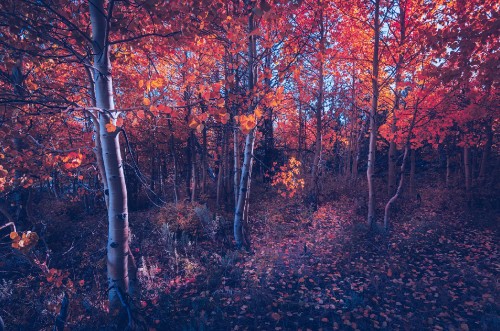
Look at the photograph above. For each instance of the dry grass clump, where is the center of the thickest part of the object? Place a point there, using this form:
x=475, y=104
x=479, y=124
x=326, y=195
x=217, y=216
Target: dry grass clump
x=180, y=218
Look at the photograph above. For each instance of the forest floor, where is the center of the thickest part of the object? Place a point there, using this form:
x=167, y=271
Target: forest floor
x=437, y=270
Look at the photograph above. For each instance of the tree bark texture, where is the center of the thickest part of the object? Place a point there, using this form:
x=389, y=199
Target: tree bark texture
x=246, y=170
x=118, y=232
x=370, y=171
x=319, y=118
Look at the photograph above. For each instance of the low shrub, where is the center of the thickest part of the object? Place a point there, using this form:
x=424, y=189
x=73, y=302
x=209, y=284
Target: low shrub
x=181, y=218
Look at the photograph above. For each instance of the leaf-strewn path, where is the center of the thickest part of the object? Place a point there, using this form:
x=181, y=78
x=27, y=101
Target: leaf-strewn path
x=326, y=273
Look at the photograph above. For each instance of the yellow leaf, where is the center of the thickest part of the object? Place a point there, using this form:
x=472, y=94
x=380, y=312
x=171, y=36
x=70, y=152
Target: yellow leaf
x=258, y=112
x=13, y=235
x=157, y=83
x=110, y=127
x=193, y=122
x=245, y=129
x=146, y=101
x=141, y=83
x=247, y=123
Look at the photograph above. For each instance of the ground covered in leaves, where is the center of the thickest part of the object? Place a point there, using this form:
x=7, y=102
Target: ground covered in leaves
x=436, y=270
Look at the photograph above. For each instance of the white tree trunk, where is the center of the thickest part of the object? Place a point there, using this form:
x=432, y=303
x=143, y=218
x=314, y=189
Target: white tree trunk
x=118, y=233
x=402, y=170
x=319, y=118
x=244, y=187
x=392, y=157
x=398, y=191
x=373, y=121
x=246, y=170
x=236, y=157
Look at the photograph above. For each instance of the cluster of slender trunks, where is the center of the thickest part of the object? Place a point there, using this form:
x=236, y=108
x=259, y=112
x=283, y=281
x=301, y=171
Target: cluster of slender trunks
x=112, y=170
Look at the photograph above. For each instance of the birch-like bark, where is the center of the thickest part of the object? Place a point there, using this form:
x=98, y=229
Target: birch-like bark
x=236, y=163
x=370, y=170
x=246, y=208
x=99, y=160
x=391, y=180
x=319, y=118
x=118, y=233
x=246, y=170
x=398, y=191
x=402, y=170
x=97, y=133
x=244, y=187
